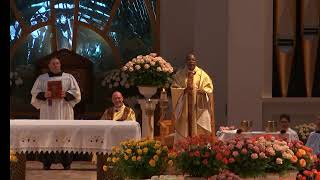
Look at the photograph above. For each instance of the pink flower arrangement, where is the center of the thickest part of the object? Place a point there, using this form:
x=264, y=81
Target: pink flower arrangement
x=149, y=70
x=200, y=156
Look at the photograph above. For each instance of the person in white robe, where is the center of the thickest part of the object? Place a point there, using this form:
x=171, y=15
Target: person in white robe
x=57, y=108
x=61, y=108
x=285, y=128
x=313, y=141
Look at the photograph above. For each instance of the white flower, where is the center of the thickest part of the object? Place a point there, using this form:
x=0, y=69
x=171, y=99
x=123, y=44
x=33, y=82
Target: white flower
x=124, y=68
x=152, y=63
x=139, y=57
x=153, y=54
x=159, y=69
x=130, y=69
x=158, y=59
x=165, y=69
x=110, y=86
x=134, y=60
x=108, y=80
x=122, y=83
x=116, y=84
x=138, y=67
x=279, y=161
x=146, y=66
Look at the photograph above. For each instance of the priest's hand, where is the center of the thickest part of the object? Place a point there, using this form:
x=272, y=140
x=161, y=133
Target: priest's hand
x=63, y=94
x=47, y=94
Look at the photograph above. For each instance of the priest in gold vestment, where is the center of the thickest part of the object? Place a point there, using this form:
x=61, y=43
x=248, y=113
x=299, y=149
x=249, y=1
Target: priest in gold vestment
x=192, y=100
x=119, y=112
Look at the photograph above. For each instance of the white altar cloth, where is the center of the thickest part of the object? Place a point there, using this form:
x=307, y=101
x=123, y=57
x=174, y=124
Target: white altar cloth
x=70, y=135
x=231, y=134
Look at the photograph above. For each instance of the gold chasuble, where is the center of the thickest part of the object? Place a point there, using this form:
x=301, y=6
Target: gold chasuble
x=121, y=114
x=193, y=112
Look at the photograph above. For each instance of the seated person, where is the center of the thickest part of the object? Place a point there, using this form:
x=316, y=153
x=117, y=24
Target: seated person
x=119, y=112
x=284, y=127
x=314, y=138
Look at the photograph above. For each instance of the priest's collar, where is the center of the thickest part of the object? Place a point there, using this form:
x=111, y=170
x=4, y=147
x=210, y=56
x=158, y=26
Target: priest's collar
x=51, y=74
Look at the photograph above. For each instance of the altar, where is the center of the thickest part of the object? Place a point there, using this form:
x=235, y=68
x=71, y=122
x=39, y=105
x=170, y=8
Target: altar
x=91, y=136
x=227, y=135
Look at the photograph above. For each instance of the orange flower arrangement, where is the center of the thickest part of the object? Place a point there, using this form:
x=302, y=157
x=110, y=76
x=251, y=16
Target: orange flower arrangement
x=304, y=158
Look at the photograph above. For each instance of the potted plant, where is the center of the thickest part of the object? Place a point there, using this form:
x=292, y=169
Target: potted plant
x=200, y=157
x=139, y=159
x=148, y=73
x=303, y=156
x=247, y=157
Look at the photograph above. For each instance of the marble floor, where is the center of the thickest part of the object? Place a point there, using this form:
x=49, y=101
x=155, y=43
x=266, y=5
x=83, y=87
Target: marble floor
x=80, y=170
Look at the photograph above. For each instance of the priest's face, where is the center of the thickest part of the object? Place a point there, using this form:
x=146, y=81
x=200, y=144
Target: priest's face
x=117, y=99
x=55, y=65
x=191, y=62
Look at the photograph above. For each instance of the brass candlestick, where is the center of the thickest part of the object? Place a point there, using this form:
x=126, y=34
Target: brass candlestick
x=271, y=126
x=246, y=125
x=163, y=104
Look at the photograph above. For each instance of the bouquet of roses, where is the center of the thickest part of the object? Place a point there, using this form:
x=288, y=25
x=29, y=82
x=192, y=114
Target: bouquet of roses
x=115, y=79
x=303, y=157
x=248, y=157
x=279, y=153
x=304, y=131
x=139, y=159
x=149, y=70
x=200, y=156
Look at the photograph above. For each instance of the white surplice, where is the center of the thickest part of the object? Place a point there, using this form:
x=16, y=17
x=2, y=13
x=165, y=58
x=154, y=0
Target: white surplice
x=59, y=108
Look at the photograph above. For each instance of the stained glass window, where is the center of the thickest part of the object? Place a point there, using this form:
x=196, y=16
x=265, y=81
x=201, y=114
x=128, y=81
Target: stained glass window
x=95, y=12
x=64, y=10
x=94, y=47
x=34, y=12
x=15, y=29
x=131, y=29
x=36, y=45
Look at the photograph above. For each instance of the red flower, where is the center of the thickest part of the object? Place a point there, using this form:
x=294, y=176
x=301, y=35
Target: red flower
x=197, y=153
x=205, y=162
x=231, y=160
x=227, y=152
x=206, y=154
x=225, y=160
x=219, y=156
x=307, y=173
